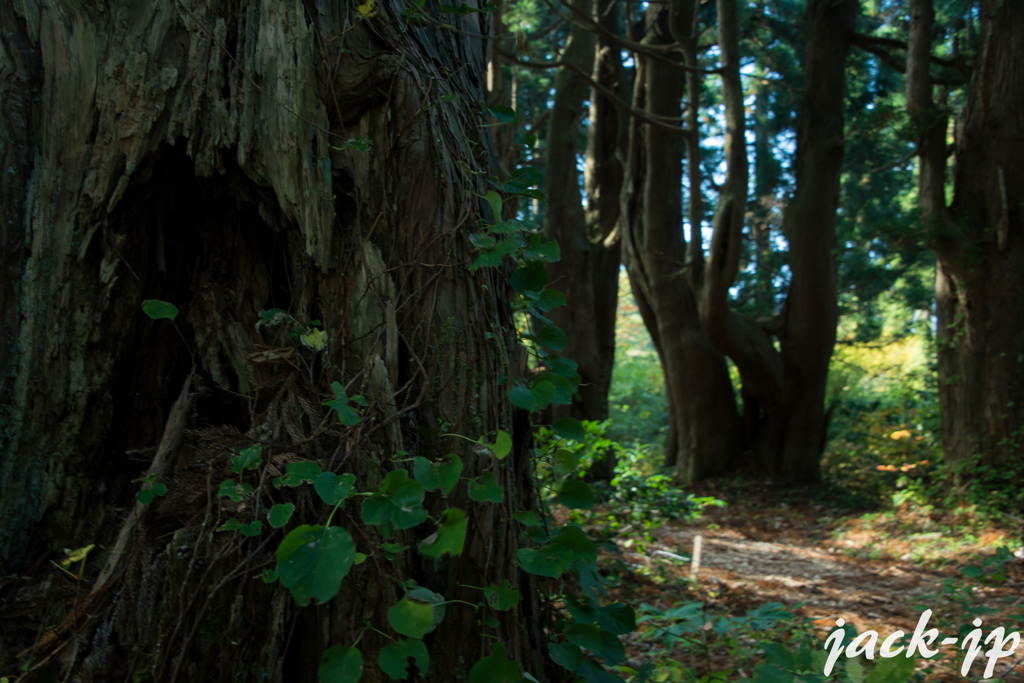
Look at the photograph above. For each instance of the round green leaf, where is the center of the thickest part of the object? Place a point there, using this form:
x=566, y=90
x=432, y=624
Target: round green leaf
x=603, y=643
x=569, y=428
x=411, y=618
x=576, y=494
x=450, y=536
x=495, y=668
x=341, y=665
x=280, y=514
x=159, y=310
x=312, y=561
x=549, y=299
x=299, y=472
x=551, y=337
x=502, y=597
x=543, y=392
x=333, y=488
x=502, y=445
x=527, y=518
x=529, y=278
x=576, y=540
x=547, y=560
x=486, y=489
x=521, y=397
x=394, y=658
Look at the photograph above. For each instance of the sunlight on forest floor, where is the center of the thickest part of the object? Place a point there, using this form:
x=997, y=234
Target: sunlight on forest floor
x=782, y=545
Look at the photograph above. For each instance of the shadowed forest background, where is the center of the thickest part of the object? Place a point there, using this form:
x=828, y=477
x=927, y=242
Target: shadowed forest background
x=525, y=340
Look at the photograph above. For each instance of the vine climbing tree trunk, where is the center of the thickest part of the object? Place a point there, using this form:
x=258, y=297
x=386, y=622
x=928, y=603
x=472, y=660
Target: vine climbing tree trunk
x=318, y=159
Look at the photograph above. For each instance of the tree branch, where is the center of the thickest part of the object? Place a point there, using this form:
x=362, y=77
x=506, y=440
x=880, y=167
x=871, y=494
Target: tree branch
x=668, y=123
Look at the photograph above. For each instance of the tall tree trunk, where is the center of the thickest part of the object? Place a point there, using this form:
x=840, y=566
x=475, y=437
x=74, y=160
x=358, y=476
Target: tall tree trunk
x=786, y=388
x=200, y=155
x=588, y=271
x=978, y=238
x=704, y=424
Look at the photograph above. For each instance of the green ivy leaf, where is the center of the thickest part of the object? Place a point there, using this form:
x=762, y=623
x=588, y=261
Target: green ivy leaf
x=502, y=597
x=603, y=643
x=502, y=445
x=564, y=388
x=565, y=461
x=346, y=415
x=550, y=299
x=576, y=495
x=522, y=397
x=503, y=114
x=450, y=536
x=569, y=428
x=566, y=655
x=280, y=514
x=495, y=668
x=529, y=278
x=564, y=367
x=300, y=472
x=433, y=476
x=313, y=560
x=159, y=310
x=398, y=505
x=618, y=618
x=548, y=560
x=551, y=337
x=229, y=488
x=248, y=458
x=411, y=618
x=891, y=669
x=494, y=199
x=486, y=489
x=341, y=665
x=527, y=518
x=543, y=393
x=577, y=542
x=254, y=528
x=592, y=672
x=333, y=488
x=540, y=249
x=394, y=658
x=146, y=497
x=493, y=256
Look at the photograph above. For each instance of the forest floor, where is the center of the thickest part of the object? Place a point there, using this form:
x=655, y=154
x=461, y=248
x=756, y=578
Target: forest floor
x=877, y=571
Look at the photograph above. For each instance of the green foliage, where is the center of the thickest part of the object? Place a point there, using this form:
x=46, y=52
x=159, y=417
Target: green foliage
x=340, y=405
x=146, y=496
x=313, y=560
x=449, y=537
x=159, y=310
x=341, y=665
x=397, y=505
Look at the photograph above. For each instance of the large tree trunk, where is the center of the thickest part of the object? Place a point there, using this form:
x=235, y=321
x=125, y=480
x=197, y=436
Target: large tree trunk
x=704, y=434
x=978, y=239
x=198, y=155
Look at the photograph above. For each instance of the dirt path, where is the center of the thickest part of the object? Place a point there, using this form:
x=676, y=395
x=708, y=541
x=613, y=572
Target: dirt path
x=757, y=552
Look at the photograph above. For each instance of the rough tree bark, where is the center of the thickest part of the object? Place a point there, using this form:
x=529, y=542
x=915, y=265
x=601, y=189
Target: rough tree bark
x=977, y=238
x=197, y=153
